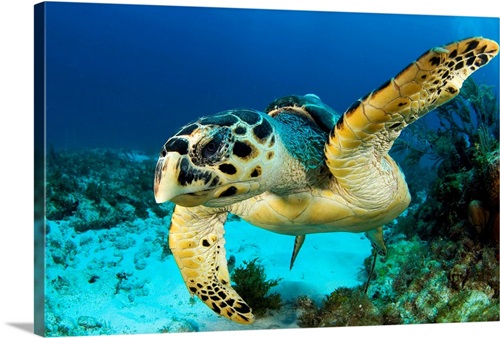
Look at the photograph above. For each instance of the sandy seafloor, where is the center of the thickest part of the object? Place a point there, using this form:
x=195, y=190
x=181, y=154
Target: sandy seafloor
x=154, y=298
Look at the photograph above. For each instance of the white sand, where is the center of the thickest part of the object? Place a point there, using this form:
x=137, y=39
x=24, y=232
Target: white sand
x=156, y=297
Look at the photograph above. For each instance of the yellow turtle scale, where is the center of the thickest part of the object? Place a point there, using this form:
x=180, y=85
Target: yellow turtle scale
x=298, y=168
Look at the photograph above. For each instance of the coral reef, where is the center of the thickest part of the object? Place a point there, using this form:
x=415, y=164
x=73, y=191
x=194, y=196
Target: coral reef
x=462, y=200
x=427, y=285
x=343, y=307
x=88, y=188
x=252, y=285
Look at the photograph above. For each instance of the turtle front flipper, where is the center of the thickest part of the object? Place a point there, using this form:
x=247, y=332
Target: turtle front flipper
x=196, y=239
x=367, y=130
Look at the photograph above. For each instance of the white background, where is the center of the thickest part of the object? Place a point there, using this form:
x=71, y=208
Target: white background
x=16, y=146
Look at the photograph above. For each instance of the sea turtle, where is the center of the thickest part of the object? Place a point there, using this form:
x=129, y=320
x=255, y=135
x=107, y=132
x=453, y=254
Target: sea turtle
x=298, y=168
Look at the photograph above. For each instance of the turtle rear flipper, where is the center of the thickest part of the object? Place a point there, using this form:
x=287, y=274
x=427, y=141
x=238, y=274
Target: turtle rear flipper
x=376, y=238
x=196, y=239
x=365, y=133
x=299, y=240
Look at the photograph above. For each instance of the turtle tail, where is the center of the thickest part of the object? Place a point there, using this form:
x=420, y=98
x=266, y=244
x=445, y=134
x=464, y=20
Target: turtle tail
x=196, y=239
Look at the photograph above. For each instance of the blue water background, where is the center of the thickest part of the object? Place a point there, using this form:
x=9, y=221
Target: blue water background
x=128, y=76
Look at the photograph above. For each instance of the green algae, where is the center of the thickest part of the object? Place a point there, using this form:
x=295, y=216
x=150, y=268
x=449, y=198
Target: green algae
x=343, y=307
x=251, y=283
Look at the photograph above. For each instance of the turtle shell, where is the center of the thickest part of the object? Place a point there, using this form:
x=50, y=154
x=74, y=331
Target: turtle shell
x=309, y=105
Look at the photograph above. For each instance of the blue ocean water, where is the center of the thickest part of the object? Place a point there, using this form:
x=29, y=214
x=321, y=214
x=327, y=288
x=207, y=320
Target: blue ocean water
x=129, y=76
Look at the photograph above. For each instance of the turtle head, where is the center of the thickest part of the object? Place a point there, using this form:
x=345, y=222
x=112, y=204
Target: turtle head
x=217, y=160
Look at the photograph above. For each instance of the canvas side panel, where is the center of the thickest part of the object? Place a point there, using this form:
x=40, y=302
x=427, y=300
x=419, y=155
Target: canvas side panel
x=39, y=169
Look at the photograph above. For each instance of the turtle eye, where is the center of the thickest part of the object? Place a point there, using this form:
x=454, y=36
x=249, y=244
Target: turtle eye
x=210, y=149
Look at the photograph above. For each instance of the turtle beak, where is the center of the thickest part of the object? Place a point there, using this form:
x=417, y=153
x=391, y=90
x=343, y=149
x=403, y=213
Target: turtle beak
x=167, y=186
x=165, y=182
